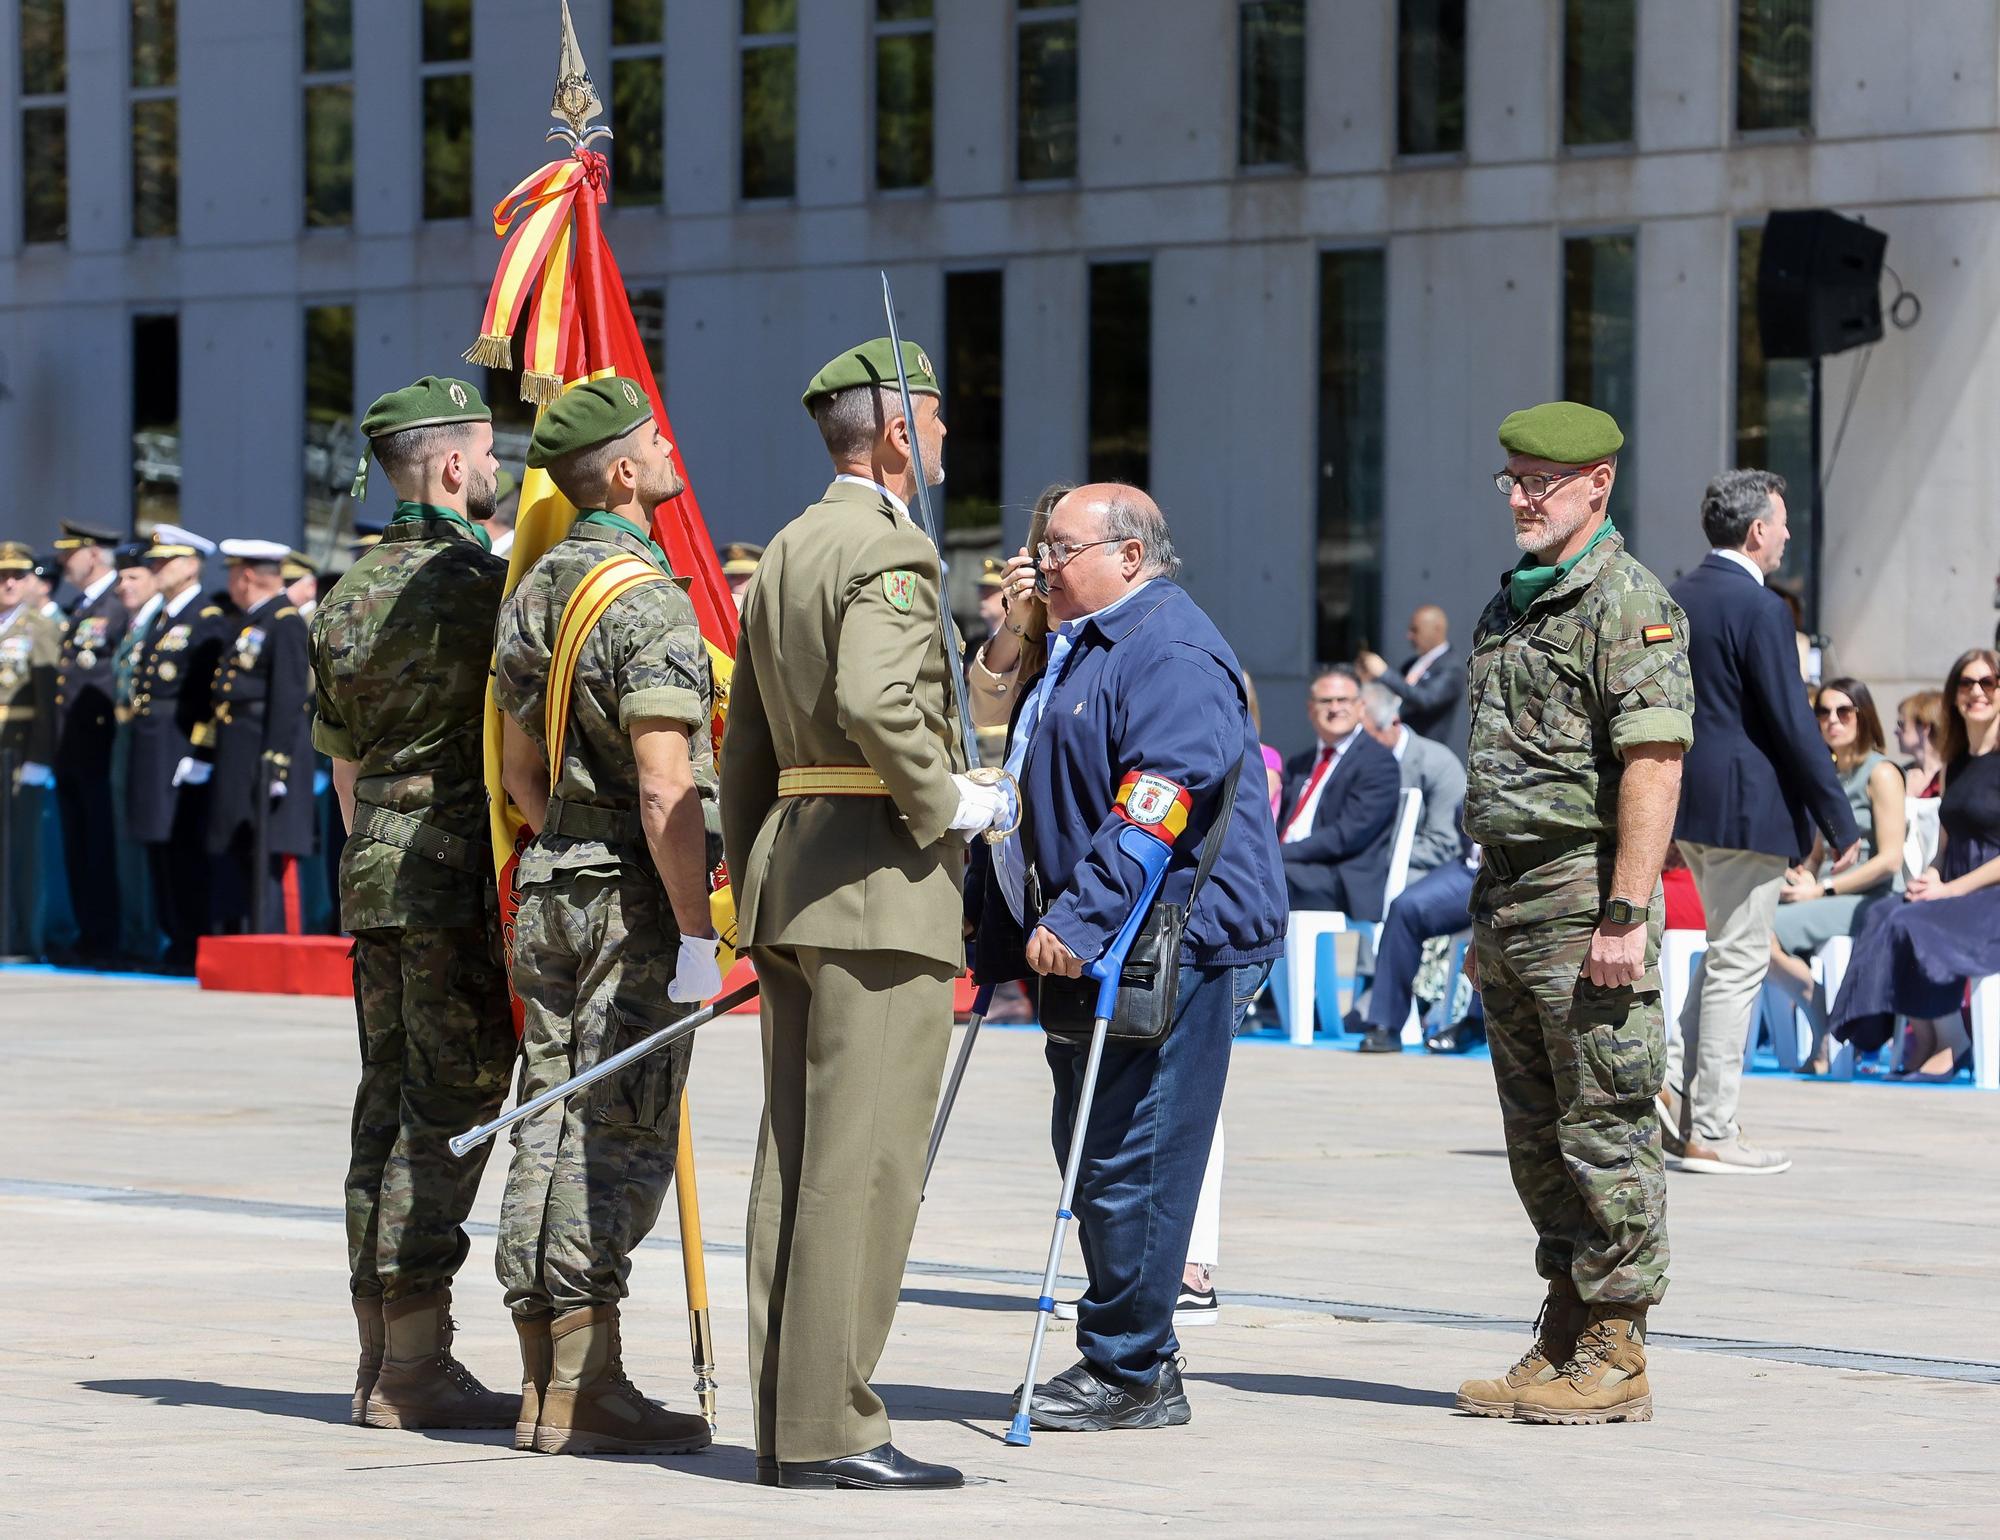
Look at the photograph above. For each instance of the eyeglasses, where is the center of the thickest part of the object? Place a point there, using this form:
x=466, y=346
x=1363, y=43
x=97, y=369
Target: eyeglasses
x=1824, y=713
x=1536, y=487
x=1986, y=684
x=1336, y=700
x=1063, y=552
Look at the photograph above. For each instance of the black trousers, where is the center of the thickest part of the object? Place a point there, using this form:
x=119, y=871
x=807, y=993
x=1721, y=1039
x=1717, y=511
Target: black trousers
x=90, y=855
x=180, y=867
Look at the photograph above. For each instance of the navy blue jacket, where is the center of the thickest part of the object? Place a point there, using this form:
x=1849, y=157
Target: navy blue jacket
x=1759, y=776
x=1352, y=829
x=1151, y=688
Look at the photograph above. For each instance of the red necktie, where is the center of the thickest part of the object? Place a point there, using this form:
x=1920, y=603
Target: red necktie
x=1312, y=784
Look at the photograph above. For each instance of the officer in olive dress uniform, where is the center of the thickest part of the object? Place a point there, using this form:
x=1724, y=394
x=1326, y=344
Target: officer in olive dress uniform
x=845, y=811
x=86, y=722
x=30, y=644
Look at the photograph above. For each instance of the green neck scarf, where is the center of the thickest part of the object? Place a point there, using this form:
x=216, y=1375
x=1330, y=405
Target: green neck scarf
x=1527, y=582
x=417, y=513
x=619, y=521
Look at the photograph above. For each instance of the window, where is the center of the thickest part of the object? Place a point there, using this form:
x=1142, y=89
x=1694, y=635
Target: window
x=1353, y=386
x=1045, y=91
x=770, y=103
x=156, y=157
x=638, y=103
x=903, y=88
x=1773, y=412
x=649, y=313
x=973, y=396
x=329, y=112
x=1600, y=344
x=1121, y=372
x=156, y=420
x=332, y=444
x=1598, y=55
x=1430, y=77
x=44, y=122
x=447, y=76
x=1774, y=65
x=1271, y=83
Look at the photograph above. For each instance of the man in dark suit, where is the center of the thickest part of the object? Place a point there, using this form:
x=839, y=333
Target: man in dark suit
x=86, y=725
x=1430, y=681
x=1753, y=787
x=1337, y=812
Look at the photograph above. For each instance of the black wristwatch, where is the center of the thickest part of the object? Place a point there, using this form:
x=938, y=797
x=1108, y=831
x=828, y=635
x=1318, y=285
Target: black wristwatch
x=1622, y=911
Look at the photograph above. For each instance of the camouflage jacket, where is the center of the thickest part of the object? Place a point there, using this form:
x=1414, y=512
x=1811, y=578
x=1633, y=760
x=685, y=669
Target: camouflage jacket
x=645, y=658
x=30, y=643
x=401, y=649
x=1597, y=664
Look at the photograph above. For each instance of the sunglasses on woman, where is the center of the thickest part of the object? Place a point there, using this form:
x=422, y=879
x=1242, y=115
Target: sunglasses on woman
x=1985, y=684
x=1827, y=713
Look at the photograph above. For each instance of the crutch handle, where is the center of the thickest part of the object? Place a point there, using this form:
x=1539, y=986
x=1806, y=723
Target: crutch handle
x=1152, y=854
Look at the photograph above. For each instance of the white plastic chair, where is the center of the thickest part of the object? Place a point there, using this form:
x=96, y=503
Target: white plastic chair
x=1307, y=927
x=1986, y=1032
x=1829, y=966
x=1680, y=952
x=1920, y=838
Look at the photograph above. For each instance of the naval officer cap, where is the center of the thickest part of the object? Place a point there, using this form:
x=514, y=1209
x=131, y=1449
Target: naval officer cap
x=585, y=415
x=873, y=363
x=256, y=553
x=170, y=540
x=76, y=536
x=740, y=558
x=16, y=559
x=1565, y=432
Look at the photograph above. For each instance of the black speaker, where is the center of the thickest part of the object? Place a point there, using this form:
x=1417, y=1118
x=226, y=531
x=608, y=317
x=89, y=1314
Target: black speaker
x=1818, y=283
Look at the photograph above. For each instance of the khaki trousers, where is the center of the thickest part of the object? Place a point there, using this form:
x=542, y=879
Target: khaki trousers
x=854, y=1050
x=1739, y=895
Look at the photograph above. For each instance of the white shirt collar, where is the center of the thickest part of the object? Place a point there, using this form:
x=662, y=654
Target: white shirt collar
x=146, y=612
x=1402, y=741
x=1341, y=745
x=862, y=481
x=1425, y=660
x=7, y=616
x=181, y=600
x=1742, y=561
x=96, y=590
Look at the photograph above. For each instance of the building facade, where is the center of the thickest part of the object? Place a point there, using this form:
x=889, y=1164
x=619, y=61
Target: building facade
x=1286, y=262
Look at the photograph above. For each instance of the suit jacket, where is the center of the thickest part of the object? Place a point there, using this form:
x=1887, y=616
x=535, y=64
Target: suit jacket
x=86, y=715
x=1354, y=823
x=1434, y=770
x=1759, y=776
x=1430, y=706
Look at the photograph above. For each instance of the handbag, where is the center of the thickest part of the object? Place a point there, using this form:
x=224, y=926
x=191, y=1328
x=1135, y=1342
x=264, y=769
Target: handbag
x=1149, y=985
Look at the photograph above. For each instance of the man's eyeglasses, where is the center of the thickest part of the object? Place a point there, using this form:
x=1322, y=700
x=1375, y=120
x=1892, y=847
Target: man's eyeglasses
x=1063, y=552
x=1536, y=487
x=1336, y=700
x=1986, y=684
x=1828, y=713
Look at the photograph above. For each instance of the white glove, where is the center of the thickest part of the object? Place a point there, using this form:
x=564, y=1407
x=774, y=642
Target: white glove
x=696, y=975
x=277, y=790
x=192, y=772
x=979, y=807
x=33, y=774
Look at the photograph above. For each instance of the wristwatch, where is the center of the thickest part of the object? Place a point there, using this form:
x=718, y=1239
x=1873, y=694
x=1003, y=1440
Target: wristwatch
x=1622, y=911
x=1826, y=889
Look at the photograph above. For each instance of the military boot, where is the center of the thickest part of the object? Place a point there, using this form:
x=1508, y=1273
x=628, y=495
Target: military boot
x=421, y=1385
x=537, y=1360
x=1557, y=1327
x=1605, y=1378
x=368, y=1317
x=590, y=1407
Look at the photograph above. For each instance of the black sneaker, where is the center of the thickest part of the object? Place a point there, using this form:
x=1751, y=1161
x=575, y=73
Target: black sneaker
x=1196, y=1307
x=1078, y=1401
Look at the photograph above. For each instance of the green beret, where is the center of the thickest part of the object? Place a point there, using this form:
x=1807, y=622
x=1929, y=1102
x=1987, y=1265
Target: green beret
x=873, y=363
x=430, y=403
x=592, y=413
x=1565, y=432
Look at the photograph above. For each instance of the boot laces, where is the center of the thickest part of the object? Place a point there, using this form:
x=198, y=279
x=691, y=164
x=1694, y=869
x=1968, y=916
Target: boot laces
x=1539, y=1348
x=450, y=1367
x=1593, y=1347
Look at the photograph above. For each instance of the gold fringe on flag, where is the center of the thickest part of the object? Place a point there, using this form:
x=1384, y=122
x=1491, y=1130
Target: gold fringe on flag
x=495, y=352
x=541, y=389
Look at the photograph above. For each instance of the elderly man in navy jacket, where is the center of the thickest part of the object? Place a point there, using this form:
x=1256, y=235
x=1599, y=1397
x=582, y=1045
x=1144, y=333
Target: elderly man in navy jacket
x=1752, y=788
x=1139, y=683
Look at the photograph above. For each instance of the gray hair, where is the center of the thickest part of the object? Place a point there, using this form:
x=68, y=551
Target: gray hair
x=1734, y=501
x=849, y=419
x=1383, y=706
x=1137, y=518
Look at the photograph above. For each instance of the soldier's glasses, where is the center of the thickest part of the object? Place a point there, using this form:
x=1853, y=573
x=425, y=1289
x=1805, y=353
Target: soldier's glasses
x=1063, y=552
x=1536, y=487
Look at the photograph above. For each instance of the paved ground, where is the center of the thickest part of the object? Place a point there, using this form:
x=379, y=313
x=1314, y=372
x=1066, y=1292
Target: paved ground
x=179, y=1353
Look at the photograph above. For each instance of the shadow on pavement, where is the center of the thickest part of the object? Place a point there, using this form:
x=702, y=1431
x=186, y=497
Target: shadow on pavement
x=1328, y=1389
x=326, y=1406
x=937, y=1403
x=959, y=1299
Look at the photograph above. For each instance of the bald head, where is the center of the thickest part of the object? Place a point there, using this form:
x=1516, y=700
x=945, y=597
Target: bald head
x=1110, y=538
x=1428, y=627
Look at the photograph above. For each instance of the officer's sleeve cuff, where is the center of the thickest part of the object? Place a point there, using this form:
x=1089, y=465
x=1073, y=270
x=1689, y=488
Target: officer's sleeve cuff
x=1652, y=724
x=332, y=741
x=668, y=701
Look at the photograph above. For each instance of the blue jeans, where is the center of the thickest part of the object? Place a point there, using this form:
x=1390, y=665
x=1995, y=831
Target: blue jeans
x=1436, y=904
x=1151, y=1124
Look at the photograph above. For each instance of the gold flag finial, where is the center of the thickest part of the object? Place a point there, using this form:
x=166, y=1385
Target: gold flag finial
x=576, y=100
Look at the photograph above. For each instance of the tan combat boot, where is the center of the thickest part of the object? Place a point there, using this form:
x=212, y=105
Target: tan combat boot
x=1556, y=1329
x=1604, y=1380
x=368, y=1317
x=592, y=1408
x=537, y=1360
x=421, y=1385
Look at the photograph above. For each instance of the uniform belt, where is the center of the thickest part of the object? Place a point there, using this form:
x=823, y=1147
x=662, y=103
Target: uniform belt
x=420, y=838
x=583, y=821
x=11, y=713
x=1509, y=862
x=831, y=781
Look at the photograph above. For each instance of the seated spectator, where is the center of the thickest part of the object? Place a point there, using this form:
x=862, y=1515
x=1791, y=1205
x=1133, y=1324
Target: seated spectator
x=1915, y=958
x=1918, y=719
x=1274, y=762
x=1436, y=904
x=1816, y=903
x=1428, y=767
x=1339, y=806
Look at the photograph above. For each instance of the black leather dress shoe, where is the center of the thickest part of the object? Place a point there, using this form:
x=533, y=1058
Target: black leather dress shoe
x=1380, y=1042
x=884, y=1468
x=1078, y=1401
x=767, y=1471
x=1462, y=1036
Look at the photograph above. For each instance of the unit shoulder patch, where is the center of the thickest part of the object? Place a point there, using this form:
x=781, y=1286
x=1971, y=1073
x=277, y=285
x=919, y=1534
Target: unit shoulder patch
x=900, y=589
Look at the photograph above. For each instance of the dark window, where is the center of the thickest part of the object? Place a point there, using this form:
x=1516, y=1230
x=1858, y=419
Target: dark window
x=649, y=313
x=1121, y=371
x=448, y=146
x=447, y=31
x=1598, y=53
x=156, y=167
x=770, y=100
x=1271, y=83
x=513, y=418
x=154, y=55
x=1773, y=412
x=44, y=48
x=329, y=155
x=1430, y=77
x=329, y=36
x=1601, y=345
x=1353, y=386
x=903, y=93
x=332, y=445
x=638, y=119
x=1774, y=64
x=973, y=396
x=156, y=420
x=637, y=21
x=45, y=174
x=1045, y=91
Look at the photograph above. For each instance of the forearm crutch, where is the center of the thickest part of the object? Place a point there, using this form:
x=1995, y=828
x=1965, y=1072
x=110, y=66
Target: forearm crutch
x=980, y=1003
x=1151, y=854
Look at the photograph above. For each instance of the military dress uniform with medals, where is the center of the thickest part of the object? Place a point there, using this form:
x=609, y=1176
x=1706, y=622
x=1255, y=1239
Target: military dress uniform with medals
x=30, y=645
x=86, y=721
x=138, y=923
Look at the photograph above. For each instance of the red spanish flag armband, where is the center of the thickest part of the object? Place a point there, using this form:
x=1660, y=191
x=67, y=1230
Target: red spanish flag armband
x=1155, y=804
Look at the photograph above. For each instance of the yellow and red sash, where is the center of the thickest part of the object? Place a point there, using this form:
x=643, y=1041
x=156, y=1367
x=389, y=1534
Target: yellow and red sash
x=601, y=587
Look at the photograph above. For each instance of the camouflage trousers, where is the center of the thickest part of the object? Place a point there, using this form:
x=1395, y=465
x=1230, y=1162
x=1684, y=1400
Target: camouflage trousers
x=1576, y=1067
x=593, y=955
x=437, y=1041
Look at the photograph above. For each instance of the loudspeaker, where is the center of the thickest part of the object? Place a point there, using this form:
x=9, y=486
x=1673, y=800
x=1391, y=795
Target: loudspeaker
x=1818, y=283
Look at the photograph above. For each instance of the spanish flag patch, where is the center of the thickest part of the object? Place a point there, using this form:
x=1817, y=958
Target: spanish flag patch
x=1155, y=804
x=1660, y=633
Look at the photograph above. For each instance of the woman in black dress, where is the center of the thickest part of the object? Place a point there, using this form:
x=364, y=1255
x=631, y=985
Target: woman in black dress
x=1913, y=959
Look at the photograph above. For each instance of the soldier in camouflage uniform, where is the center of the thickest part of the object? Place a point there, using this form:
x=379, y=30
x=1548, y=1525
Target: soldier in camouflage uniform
x=1581, y=709
x=613, y=938
x=400, y=654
